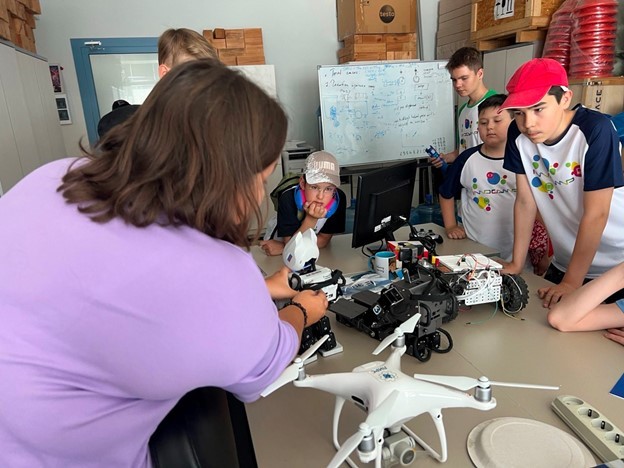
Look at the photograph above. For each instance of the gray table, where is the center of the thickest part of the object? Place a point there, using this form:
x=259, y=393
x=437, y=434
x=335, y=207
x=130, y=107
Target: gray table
x=292, y=427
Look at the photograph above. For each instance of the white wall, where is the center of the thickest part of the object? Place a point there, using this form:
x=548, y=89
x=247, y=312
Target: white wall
x=298, y=36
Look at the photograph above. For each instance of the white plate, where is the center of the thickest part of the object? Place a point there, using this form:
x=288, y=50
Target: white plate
x=518, y=442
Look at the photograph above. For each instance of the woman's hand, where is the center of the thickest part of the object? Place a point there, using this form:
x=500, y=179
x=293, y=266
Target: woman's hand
x=278, y=286
x=315, y=303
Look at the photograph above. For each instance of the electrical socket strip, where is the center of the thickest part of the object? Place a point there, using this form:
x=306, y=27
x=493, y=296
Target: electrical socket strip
x=598, y=433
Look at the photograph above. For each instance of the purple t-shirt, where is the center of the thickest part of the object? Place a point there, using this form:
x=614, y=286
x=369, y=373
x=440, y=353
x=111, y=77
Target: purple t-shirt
x=104, y=327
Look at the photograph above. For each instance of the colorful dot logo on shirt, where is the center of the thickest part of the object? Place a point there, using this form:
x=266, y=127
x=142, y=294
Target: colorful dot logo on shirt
x=495, y=178
x=575, y=169
x=467, y=123
x=551, y=170
x=483, y=203
x=546, y=187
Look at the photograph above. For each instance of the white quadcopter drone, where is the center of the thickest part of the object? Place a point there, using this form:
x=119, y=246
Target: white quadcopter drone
x=391, y=398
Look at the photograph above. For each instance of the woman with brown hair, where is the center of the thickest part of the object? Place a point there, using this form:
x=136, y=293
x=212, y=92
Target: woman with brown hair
x=125, y=281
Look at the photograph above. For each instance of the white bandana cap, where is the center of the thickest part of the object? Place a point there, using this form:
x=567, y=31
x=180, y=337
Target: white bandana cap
x=320, y=167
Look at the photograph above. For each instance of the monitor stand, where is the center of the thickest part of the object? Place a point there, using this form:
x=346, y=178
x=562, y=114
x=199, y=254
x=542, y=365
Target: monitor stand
x=388, y=227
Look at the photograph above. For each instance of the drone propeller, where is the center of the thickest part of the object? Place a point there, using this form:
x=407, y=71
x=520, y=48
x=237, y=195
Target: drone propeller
x=372, y=427
x=466, y=383
x=406, y=327
x=292, y=372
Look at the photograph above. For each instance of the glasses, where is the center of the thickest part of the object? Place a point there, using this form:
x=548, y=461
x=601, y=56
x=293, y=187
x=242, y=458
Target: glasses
x=325, y=191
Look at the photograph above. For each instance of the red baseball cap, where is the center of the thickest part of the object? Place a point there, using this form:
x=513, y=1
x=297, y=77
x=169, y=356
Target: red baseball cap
x=532, y=81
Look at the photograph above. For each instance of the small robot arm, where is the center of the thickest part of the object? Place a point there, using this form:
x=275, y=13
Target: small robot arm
x=301, y=252
x=300, y=255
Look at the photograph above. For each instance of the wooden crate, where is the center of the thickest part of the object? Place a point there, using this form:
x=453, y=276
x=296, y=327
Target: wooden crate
x=602, y=94
x=237, y=46
x=5, y=30
x=366, y=47
x=528, y=22
x=4, y=11
x=17, y=22
x=454, y=20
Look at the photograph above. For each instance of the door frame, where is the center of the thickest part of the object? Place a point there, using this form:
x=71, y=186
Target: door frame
x=82, y=49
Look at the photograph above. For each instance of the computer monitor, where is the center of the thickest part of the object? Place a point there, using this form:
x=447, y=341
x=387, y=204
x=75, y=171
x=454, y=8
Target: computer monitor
x=384, y=201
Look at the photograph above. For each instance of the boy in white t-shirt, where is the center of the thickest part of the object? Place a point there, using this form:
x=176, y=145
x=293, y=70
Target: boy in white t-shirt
x=487, y=191
x=466, y=69
x=567, y=164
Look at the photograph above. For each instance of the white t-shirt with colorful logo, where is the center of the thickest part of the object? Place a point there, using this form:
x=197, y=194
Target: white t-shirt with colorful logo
x=586, y=158
x=488, y=193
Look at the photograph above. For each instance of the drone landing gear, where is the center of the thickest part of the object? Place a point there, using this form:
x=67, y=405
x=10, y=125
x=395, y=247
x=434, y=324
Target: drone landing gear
x=437, y=420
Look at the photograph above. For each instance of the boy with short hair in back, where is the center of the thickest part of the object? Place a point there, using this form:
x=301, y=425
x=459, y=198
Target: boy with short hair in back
x=466, y=69
x=181, y=45
x=487, y=191
x=567, y=164
x=175, y=46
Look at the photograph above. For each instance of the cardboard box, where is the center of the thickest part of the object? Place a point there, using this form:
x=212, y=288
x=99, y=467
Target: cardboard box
x=375, y=17
x=602, y=94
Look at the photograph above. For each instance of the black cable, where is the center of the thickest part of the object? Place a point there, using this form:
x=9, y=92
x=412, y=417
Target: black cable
x=450, y=342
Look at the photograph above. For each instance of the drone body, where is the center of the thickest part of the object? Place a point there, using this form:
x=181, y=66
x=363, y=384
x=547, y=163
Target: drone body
x=391, y=398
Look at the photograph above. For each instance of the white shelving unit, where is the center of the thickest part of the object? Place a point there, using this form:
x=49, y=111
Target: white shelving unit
x=30, y=132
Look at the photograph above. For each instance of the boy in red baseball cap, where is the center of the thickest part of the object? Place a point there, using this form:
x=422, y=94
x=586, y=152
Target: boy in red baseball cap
x=568, y=166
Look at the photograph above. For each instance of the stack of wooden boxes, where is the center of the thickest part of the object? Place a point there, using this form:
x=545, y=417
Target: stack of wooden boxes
x=494, y=25
x=237, y=46
x=453, y=27
x=360, y=47
x=377, y=30
x=17, y=22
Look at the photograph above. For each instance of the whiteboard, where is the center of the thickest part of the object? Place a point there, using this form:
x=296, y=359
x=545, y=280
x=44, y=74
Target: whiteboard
x=386, y=111
x=262, y=75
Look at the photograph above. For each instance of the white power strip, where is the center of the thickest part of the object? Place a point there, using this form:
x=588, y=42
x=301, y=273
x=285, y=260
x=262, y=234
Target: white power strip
x=598, y=433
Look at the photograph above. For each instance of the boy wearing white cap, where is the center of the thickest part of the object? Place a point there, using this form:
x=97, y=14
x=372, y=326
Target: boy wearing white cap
x=315, y=203
x=567, y=164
